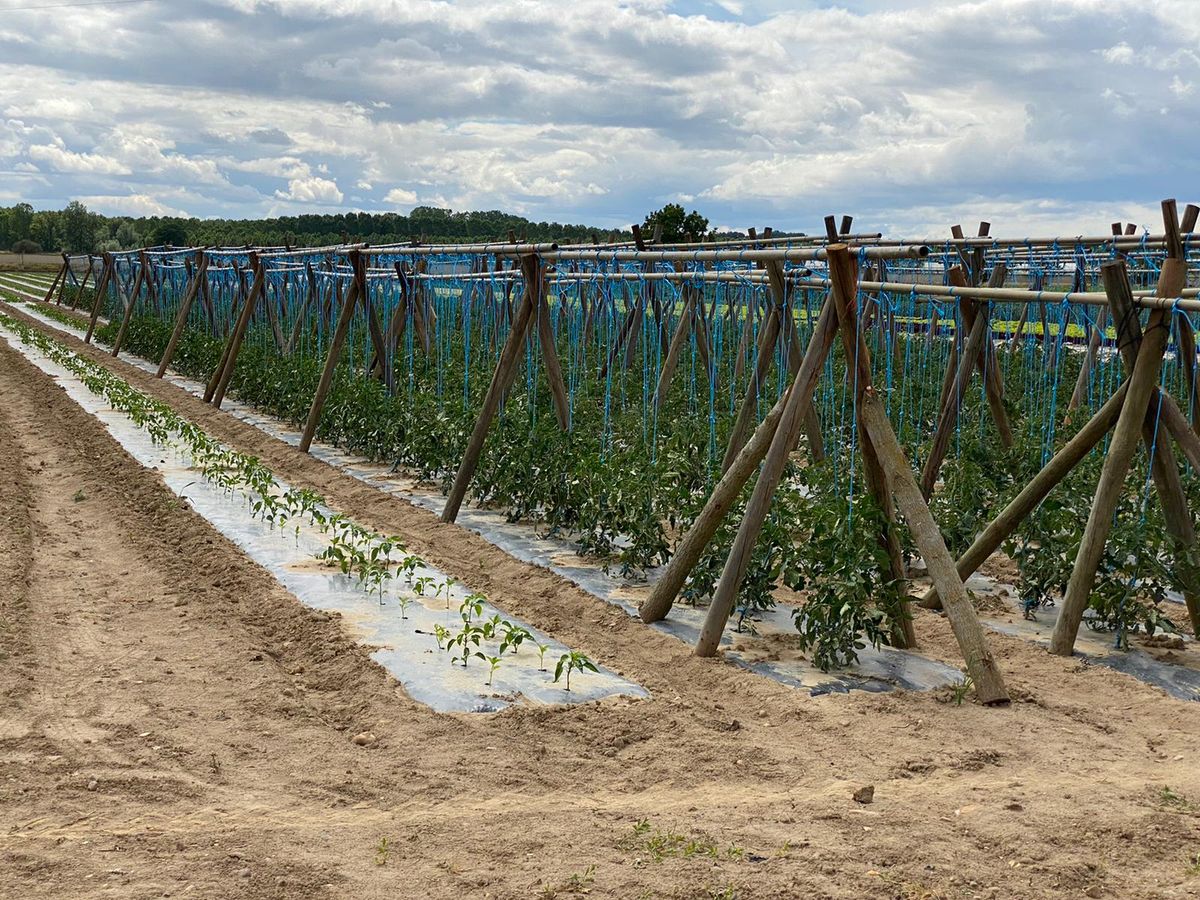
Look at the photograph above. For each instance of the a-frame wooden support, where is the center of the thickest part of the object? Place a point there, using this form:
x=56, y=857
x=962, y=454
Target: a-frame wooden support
x=1129, y=431
x=106, y=277
x=531, y=313
x=199, y=274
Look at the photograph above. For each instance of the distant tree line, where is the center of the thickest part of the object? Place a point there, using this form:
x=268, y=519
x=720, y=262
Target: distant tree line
x=77, y=229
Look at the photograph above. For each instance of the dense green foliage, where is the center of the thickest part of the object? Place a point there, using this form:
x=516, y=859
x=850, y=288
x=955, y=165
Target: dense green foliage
x=78, y=230
x=622, y=487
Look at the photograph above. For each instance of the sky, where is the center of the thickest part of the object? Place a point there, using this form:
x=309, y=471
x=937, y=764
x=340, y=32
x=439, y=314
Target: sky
x=1041, y=116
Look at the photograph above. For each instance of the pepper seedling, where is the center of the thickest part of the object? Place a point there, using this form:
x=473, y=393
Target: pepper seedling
x=572, y=661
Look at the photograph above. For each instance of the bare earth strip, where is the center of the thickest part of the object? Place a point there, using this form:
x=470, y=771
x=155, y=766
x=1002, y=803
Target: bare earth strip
x=175, y=723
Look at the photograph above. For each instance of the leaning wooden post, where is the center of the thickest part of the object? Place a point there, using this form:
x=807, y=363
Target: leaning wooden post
x=1127, y=434
x=533, y=270
x=58, y=276
x=83, y=284
x=749, y=407
x=501, y=378
x=981, y=665
x=1079, y=446
x=335, y=351
x=101, y=291
x=1085, y=371
x=185, y=307
x=1164, y=468
x=662, y=596
x=239, y=331
x=136, y=292
x=952, y=405
x=62, y=286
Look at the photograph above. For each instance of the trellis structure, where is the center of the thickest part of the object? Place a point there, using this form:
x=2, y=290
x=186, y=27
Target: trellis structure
x=750, y=332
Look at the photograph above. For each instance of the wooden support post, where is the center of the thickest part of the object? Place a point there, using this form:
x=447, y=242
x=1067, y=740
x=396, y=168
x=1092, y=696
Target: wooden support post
x=533, y=269
x=506, y=368
x=301, y=317
x=58, y=276
x=1089, y=360
x=948, y=415
x=268, y=304
x=82, y=285
x=239, y=331
x=678, y=340
x=134, y=294
x=662, y=596
x=998, y=530
x=185, y=307
x=981, y=666
x=1164, y=468
x=1126, y=435
x=749, y=408
x=62, y=284
x=101, y=291
x=210, y=387
x=335, y=351
x=987, y=362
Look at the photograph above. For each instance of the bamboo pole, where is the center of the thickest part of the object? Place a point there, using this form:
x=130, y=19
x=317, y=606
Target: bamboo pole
x=334, y=355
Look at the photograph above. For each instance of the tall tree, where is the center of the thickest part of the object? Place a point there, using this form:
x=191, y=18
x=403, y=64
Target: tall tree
x=78, y=228
x=676, y=224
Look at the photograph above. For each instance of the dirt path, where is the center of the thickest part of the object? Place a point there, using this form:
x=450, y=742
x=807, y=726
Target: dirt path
x=175, y=723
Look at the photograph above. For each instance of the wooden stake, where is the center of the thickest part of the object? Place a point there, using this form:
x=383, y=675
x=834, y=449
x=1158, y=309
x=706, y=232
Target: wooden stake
x=662, y=596
x=58, y=276
x=506, y=368
x=185, y=307
x=532, y=268
x=335, y=351
x=101, y=291
x=239, y=331
x=1142, y=384
x=133, y=299
x=981, y=666
x=1038, y=488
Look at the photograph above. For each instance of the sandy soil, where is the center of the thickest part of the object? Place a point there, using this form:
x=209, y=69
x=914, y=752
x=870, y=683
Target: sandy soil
x=175, y=723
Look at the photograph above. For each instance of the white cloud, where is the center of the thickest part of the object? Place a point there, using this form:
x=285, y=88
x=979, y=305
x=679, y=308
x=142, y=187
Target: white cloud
x=60, y=159
x=271, y=106
x=1120, y=54
x=311, y=190
x=131, y=205
x=400, y=197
